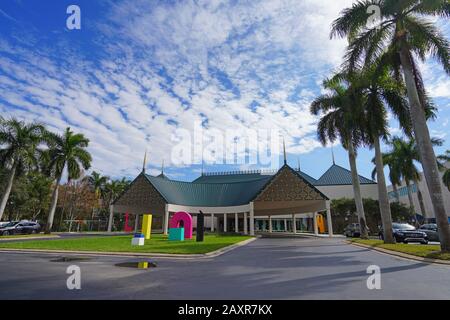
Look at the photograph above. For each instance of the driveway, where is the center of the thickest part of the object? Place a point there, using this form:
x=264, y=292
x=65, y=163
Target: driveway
x=275, y=268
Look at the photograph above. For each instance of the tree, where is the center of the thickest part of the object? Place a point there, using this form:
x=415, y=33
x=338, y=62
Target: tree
x=97, y=182
x=400, y=37
x=445, y=158
x=67, y=151
x=401, y=161
x=378, y=90
x=19, y=151
x=113, y=190
x=342, y=115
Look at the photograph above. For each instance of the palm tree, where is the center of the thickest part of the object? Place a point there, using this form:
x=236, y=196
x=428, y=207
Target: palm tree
x=97, y=182
x=445, y=158
x=380, y=90
x=342, y=116
x=113, y=190
x=401, y=160
x=66, y=152
x=400, y=37
x=19, y=151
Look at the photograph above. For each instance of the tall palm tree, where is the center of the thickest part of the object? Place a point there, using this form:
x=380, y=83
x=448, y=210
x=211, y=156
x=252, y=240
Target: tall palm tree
x=66, y=152
x=401, y=161
x=445, y=158
x=380, y=90
x=19, y=151
x=97, y=182
x=401, y=36
x=113, y=190
x=342, y=115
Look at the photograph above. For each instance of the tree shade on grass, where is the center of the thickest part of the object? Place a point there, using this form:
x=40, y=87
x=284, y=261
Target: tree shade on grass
x=158, y=244
x=420, y=250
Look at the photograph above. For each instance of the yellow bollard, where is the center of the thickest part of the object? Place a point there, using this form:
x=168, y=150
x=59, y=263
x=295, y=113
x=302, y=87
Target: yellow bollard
x=147, y=226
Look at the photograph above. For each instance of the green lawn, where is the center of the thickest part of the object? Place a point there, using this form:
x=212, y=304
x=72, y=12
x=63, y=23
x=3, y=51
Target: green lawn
x=158, y=244
x=420, y=250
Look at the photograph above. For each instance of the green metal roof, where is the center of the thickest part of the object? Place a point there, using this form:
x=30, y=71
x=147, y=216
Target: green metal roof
x=236, y=188
x=207, y=194
x=243, y=177
x=337, y=175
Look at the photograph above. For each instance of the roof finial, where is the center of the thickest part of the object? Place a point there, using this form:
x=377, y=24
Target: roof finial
x=202, y=164
x=284, y=152
x=145, y=161
x=332, y=155
x=299, y=167
x=162, y=167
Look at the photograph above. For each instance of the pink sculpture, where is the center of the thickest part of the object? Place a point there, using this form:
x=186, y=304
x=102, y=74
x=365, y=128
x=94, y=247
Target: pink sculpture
x=182, y=219
x=127, y=228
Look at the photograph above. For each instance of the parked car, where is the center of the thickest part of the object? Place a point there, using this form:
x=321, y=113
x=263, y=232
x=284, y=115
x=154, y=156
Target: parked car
x=20, y=227
x=353, y=230
x=3, y=223
x=431, y=230
x=405, y=233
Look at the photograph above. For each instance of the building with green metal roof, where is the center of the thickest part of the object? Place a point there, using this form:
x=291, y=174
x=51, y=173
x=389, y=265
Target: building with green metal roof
x=250, y=196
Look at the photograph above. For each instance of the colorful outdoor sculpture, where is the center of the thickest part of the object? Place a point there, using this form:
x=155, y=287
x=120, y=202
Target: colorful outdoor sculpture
x=200, y=227
x=184, y=220
x=147, y=226
x=126, y=227
x=320, y=223
x=138, y=239
x=176, y=234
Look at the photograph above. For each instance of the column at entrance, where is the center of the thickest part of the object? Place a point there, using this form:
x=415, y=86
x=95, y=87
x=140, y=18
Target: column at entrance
x=252, y=219
x=245, y=223
x=224, y=222
x=316, y=229
x=329, y=222
x=294, y=224
x=236, y=223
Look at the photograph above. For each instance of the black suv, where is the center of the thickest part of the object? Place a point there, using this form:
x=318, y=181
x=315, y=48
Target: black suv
x=20, y=227
x=405, y=233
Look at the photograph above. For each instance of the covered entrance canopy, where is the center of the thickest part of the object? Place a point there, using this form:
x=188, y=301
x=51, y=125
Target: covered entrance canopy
x=287, y=192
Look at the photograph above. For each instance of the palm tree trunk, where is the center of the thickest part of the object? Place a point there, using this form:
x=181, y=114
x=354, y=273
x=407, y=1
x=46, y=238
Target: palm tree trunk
x=412, y=207
x=427, y=155
x=385, y=207
x=397, y=195
x=357, y=191
x=7, y=192
x=54, y=202
x=111, y=216
x=421, y=203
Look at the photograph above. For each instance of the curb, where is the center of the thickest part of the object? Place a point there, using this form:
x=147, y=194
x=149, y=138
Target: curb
x=29, y=238
x=195, y=256
x=401, y=254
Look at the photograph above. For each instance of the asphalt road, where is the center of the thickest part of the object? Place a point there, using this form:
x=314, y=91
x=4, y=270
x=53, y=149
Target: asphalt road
x=279, y=268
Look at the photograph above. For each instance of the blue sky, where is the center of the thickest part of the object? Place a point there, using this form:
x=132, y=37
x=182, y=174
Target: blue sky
x=138, y=70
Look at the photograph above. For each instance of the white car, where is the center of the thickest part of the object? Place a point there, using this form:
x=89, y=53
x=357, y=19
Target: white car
x=4, y=223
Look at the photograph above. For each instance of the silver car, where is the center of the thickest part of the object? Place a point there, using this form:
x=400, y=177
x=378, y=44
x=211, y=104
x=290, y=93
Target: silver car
x=431, y=230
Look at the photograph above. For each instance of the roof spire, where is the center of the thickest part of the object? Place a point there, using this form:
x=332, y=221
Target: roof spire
x=202, y=164
x=284, y=152
x=332, y=155
x=299, y=167
x=145, y=161
x=162, y=167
